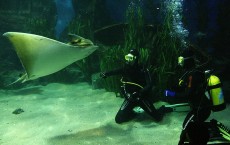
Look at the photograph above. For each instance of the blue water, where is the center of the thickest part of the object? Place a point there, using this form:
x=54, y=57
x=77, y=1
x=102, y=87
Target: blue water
x=65, y=13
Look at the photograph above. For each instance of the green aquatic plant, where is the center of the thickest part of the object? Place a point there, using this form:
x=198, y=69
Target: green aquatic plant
x=145, y=56
x=111, y=59
x=158, y=48
x=134, y=32
x=81, y=27
x=166, y=49
x=136, y=36
x=40, y=26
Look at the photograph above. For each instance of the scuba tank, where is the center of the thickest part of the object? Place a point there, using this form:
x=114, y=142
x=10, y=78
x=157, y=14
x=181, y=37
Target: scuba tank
x=214, y=92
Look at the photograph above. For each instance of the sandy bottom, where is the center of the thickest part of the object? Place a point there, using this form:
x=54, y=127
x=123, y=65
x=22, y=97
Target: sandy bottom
x=59, y=114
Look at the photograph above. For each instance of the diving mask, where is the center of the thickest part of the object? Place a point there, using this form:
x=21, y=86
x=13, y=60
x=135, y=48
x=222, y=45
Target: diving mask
x=129, y=57
x=181, y=60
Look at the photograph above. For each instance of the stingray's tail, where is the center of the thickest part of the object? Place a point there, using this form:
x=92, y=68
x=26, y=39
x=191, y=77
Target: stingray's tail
x=21, y=79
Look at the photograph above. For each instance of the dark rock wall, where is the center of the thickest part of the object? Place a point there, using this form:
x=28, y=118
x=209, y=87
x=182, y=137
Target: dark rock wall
x=14, y=14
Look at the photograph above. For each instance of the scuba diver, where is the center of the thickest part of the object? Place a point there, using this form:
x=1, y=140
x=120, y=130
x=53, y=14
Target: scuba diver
x=194, y=81
x=136, y=88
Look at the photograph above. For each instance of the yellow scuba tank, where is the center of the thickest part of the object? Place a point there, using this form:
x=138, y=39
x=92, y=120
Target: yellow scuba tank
x=215, y=94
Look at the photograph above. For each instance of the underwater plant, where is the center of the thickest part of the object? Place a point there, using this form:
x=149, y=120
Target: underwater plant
x=166, y=49
x=40, y=26
x=157, y=49
x=112, y=58
x=157, y=46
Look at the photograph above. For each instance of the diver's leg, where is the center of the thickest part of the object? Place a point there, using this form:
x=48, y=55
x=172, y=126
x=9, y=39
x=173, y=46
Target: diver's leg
x=150, y=109
x=125, y=112
x=187, y=120
x=201, y=114
x=193, y=116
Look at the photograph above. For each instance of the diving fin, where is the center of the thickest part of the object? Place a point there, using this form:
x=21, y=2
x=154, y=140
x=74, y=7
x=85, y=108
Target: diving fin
x=183, y=107
x=224, y=131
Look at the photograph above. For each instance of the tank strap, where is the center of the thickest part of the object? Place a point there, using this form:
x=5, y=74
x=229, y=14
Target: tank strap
x=131, y=83
x=214, y=86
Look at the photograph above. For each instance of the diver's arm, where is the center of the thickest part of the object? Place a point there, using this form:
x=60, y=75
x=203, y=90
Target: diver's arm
x=181, y=94
x=189, y=87
x=112, y=72
x=178, y=91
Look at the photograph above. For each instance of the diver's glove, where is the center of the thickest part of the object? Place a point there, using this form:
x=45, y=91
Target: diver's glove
x=103, y=75
x=169, y=93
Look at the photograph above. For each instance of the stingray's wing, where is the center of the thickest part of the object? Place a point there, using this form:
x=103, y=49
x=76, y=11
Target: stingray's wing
x=41, y=56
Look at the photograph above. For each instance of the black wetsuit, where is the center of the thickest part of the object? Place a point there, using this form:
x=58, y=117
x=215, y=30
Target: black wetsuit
x=136, y=92
x=195, y=83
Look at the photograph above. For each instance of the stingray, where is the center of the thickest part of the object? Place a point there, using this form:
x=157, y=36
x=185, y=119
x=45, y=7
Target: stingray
x=41, y=56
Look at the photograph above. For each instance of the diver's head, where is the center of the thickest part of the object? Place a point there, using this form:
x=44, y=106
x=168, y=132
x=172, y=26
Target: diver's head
x=187, y=59
x=132, y=57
